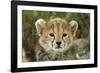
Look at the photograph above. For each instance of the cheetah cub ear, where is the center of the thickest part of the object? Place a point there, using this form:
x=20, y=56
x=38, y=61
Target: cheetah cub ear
x=74, y=27
x=39, y=24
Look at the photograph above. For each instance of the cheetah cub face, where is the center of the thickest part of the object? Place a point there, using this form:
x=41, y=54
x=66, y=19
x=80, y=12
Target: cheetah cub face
x=56, y=34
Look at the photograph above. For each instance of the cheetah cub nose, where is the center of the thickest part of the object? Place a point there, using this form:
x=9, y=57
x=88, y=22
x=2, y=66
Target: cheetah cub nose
x=58, y=44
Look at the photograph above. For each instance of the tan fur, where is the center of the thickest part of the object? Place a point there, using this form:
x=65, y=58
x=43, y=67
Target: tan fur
x=48, y=44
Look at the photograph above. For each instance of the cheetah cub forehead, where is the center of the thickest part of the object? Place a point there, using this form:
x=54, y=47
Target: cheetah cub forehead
x=56, y=34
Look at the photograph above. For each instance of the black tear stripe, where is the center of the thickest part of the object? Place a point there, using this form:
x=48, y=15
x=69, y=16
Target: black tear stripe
x=63, y=40
x=54, y=35
x=62, y=36
x=53, y=40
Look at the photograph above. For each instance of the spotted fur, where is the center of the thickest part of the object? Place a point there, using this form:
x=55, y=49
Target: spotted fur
x=55, y=35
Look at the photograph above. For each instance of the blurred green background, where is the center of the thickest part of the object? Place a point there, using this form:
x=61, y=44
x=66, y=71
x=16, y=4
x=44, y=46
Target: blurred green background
x=29, y=35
